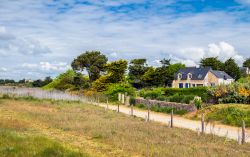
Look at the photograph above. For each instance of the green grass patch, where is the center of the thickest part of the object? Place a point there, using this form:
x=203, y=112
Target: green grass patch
x=158, y=108
x=13, y=144
x=229, y=114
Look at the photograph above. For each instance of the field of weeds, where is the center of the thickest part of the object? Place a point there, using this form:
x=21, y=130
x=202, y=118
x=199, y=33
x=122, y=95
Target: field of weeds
x=43, y=127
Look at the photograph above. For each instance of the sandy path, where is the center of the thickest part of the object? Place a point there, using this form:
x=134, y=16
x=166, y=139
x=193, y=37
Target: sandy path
x=219, y=130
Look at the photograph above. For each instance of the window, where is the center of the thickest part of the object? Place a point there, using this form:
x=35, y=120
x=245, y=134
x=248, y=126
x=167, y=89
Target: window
x=179, y=76
x=186, y=85
x=180, y=85
x=193, y=85
x=199, y=76
x=212, y=84
x=189, y=75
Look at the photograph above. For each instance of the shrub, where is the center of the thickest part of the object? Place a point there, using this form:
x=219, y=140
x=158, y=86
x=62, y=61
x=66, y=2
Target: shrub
x=198, y=103
x=187, y=99
x=158, y=108
x=233, y=93
x=141, y=106
x=198, y=91
x=132, y=100
x=68, y=80
x=114, y=89
x=176, y=98
x=152, y=93
x=231, y=115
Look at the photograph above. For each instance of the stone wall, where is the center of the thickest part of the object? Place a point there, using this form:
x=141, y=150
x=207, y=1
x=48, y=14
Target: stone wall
x=178, y=106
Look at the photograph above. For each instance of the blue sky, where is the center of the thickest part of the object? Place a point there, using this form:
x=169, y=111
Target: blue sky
x=40, y=38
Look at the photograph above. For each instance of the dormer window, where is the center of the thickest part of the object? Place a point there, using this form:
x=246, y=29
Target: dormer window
x=189, y=75
x=179, y=76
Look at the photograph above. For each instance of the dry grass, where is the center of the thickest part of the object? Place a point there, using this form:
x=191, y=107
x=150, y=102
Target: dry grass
x=107, y=133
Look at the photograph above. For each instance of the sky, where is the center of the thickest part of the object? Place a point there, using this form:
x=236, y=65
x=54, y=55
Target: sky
x=40, y=38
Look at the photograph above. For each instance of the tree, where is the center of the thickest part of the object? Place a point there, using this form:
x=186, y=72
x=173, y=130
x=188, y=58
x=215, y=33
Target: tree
x=212, y=62
x=115, y=74
x=116, y=71
x=91, y=61
x=246, y=63
x=137, y=68
x=232, y=68
x=149, y=77
x=172, y=69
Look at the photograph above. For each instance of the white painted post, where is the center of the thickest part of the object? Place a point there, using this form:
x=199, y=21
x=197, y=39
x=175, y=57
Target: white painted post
x=127, y=100
x=123, y=98
x=243, y=138
x=119, y=97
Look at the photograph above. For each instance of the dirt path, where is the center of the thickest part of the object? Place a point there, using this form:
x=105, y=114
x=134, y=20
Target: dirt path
x=219, y=130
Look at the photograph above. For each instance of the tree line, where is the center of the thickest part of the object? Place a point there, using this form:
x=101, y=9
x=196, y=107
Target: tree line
x=102, y=73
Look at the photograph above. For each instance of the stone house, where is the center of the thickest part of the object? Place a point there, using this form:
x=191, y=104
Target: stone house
x=202, y=76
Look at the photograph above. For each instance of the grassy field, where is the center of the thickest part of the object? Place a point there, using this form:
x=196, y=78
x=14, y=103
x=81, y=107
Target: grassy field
x=229, y=114
x=57, y=128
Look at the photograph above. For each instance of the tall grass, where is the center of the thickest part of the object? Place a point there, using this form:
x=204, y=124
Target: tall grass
x=114, y=134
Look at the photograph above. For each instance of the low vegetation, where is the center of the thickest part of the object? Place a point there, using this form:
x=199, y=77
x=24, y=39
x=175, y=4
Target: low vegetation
x=14, y=143
x=230, y=114
x=81, y=129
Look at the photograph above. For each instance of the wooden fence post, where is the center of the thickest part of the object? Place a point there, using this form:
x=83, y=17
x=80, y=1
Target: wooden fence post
x=107, y=103
x=172, y=119
x=243, y=138
x=202, y=124
x=132, y=110
x=118, y=107
x=148, y=114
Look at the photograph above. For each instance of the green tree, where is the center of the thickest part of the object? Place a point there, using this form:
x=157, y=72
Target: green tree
x=212, y=62
x=246, y=63
x=232, y=68
x=91, y=61
x=116, y=71
x=115, y=74
x=137, y=68
x=149, y=78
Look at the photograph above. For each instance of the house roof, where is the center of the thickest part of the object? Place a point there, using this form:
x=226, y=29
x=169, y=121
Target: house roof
x=221, y=74
x=200, y=73
x=197, y=73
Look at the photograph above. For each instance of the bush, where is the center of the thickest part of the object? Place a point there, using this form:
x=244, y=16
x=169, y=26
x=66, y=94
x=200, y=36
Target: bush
x=231, y=115
x=69, y=80
x=176, y=98
x=152, y=93
x=198, y=91
x=198, y=103
x=114, y=89
x=175, y=94
x=158, y=108
x=233, y=93
x=132, y=101
x=187, y=99
x=141, y=106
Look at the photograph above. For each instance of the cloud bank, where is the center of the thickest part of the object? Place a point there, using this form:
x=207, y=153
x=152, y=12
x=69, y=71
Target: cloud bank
x=40, y=38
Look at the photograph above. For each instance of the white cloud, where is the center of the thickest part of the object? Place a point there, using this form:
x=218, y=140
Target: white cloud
x=223, y=50
x=47, y=66
x=9, y=43
x=44, y=26
x=3, y=69
x=113, y=54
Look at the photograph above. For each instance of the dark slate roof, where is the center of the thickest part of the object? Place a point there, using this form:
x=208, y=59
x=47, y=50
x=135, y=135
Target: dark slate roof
x=200, y=73
x=197, y=73
x=221, y=74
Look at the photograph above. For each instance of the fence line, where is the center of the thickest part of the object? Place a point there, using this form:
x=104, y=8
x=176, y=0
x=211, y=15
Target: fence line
x=41, y=94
